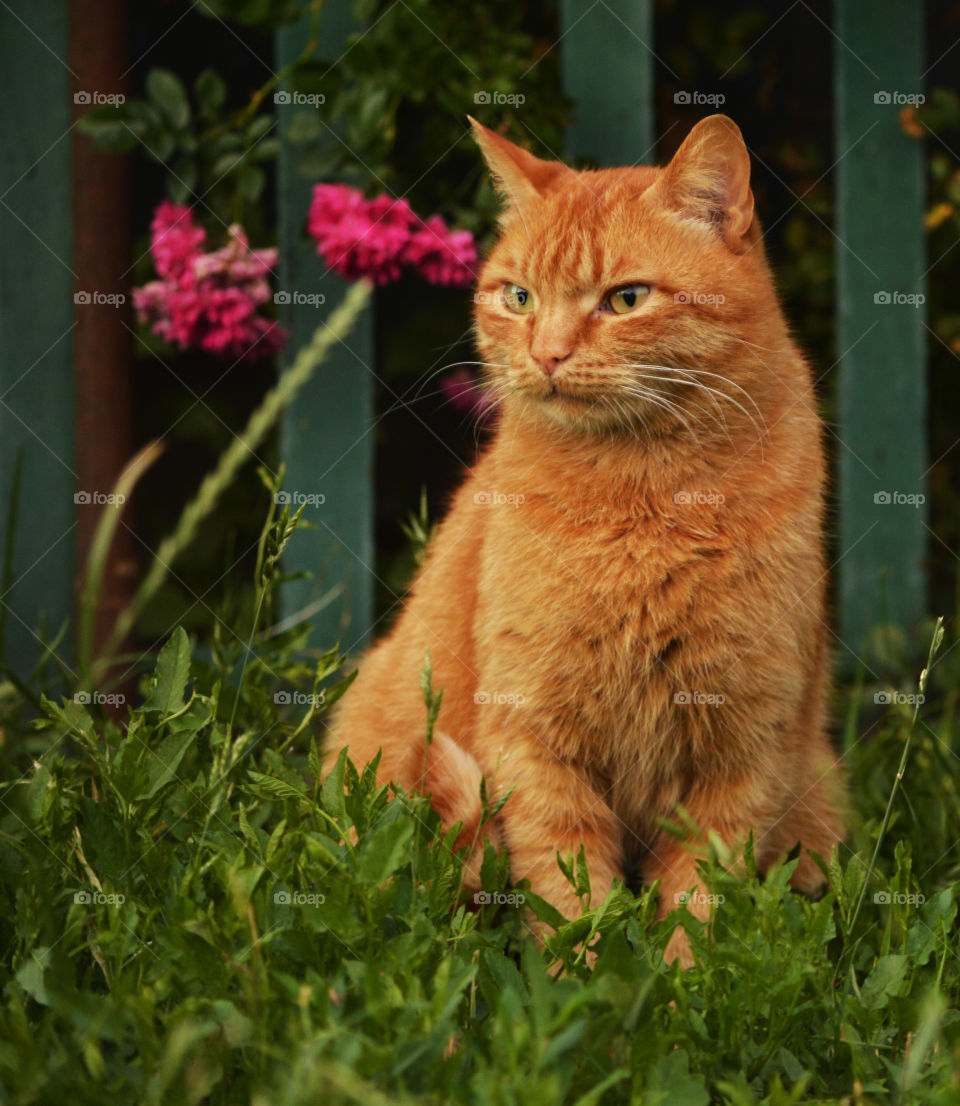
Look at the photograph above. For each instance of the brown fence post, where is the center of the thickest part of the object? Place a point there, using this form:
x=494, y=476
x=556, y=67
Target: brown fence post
x=103, y=359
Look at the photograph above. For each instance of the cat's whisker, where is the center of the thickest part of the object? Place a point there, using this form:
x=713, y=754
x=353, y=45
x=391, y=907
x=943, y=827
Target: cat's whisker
x=477, y=387
x=660, y=400
x=456, y=365
x=704, y=372
x=719, y=418
x=403, y=403
x=663, y=370
x=753, y=345
x=627, y=417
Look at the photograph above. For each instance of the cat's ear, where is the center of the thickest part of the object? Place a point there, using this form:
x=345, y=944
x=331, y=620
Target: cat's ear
x=709, y=179
x=517, y=174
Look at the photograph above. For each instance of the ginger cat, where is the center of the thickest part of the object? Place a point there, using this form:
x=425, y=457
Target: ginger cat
x=625, y=604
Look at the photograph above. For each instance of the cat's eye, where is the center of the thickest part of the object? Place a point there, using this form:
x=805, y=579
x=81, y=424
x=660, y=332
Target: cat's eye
x=628, y=298
x=517, y=299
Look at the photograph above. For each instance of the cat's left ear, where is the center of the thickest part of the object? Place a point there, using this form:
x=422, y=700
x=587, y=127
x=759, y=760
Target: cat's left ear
x=709, y=179
x=519, y=176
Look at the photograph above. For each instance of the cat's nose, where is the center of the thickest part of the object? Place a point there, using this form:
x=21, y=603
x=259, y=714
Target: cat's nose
x=548, y=356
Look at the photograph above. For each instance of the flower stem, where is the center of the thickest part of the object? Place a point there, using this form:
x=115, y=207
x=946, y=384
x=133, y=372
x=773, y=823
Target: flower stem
x=236, y=454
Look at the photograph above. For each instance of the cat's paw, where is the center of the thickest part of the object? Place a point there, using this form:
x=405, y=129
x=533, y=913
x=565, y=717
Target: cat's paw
x=678, y=948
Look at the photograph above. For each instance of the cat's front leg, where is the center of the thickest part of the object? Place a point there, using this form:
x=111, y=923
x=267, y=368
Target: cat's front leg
x=674, y=864
x=731, y=809
x=554, y=808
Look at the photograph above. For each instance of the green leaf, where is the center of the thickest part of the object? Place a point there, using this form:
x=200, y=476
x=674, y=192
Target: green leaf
x=671, y=1083
x=251, y=180
x=596, y=1094
x=172, y=672
x=209, y=91
x=431, y=698
x=226, y=164
x=259, y=127
x=505, y=974
x=110, y=128
x=923, y=936
x=335, y=691
x=583, y=875
x=166, y=90
x=543, y=910
x=884, y=981
x=165, y=760
x=30, y=975
x=332, y=792
x=271, y=787
x=383, y=849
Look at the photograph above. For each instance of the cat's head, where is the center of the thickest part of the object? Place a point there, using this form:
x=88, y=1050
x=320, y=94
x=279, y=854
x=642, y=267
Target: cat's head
x=612, y=295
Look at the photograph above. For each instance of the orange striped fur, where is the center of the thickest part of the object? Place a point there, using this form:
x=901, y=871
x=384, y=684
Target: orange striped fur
x=625, y=603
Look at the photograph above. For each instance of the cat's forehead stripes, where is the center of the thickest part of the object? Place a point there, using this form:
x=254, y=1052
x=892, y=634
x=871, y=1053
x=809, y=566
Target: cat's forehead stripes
x=587, y=229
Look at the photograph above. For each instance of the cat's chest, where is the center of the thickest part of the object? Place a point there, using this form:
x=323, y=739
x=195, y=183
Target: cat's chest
x=604, y=561
x=591, y=598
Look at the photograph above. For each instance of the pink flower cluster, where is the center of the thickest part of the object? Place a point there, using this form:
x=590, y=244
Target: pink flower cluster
x=379, y=238
x=207, y=301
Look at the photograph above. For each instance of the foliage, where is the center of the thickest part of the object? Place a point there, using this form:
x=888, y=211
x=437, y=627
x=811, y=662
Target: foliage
x=242, y=446
x=191, y=914
x=206, y=149
x=398, y=95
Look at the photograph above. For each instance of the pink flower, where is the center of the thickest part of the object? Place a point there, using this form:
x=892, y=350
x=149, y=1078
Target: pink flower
x=207, y=301
x=379, y=238
x=442, y=256
x=175, y=240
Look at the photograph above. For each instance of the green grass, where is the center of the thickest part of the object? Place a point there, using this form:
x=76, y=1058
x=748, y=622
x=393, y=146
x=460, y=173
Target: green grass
x=186, y=918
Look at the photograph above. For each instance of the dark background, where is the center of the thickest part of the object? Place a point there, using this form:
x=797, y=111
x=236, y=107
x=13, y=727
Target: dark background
x=778, y=91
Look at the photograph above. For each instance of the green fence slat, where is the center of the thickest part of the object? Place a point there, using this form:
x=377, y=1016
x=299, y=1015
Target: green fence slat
x=36, y=319
x=881, y=386
x=327, y=440
x=608, y=62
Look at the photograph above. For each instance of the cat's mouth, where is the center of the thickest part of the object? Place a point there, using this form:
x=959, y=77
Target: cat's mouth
x=555, y=393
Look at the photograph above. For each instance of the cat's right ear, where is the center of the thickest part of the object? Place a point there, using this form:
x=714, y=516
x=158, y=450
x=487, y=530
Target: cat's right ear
x=519, y=176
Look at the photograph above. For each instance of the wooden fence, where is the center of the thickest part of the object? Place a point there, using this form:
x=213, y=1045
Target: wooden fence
x=328, y=435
